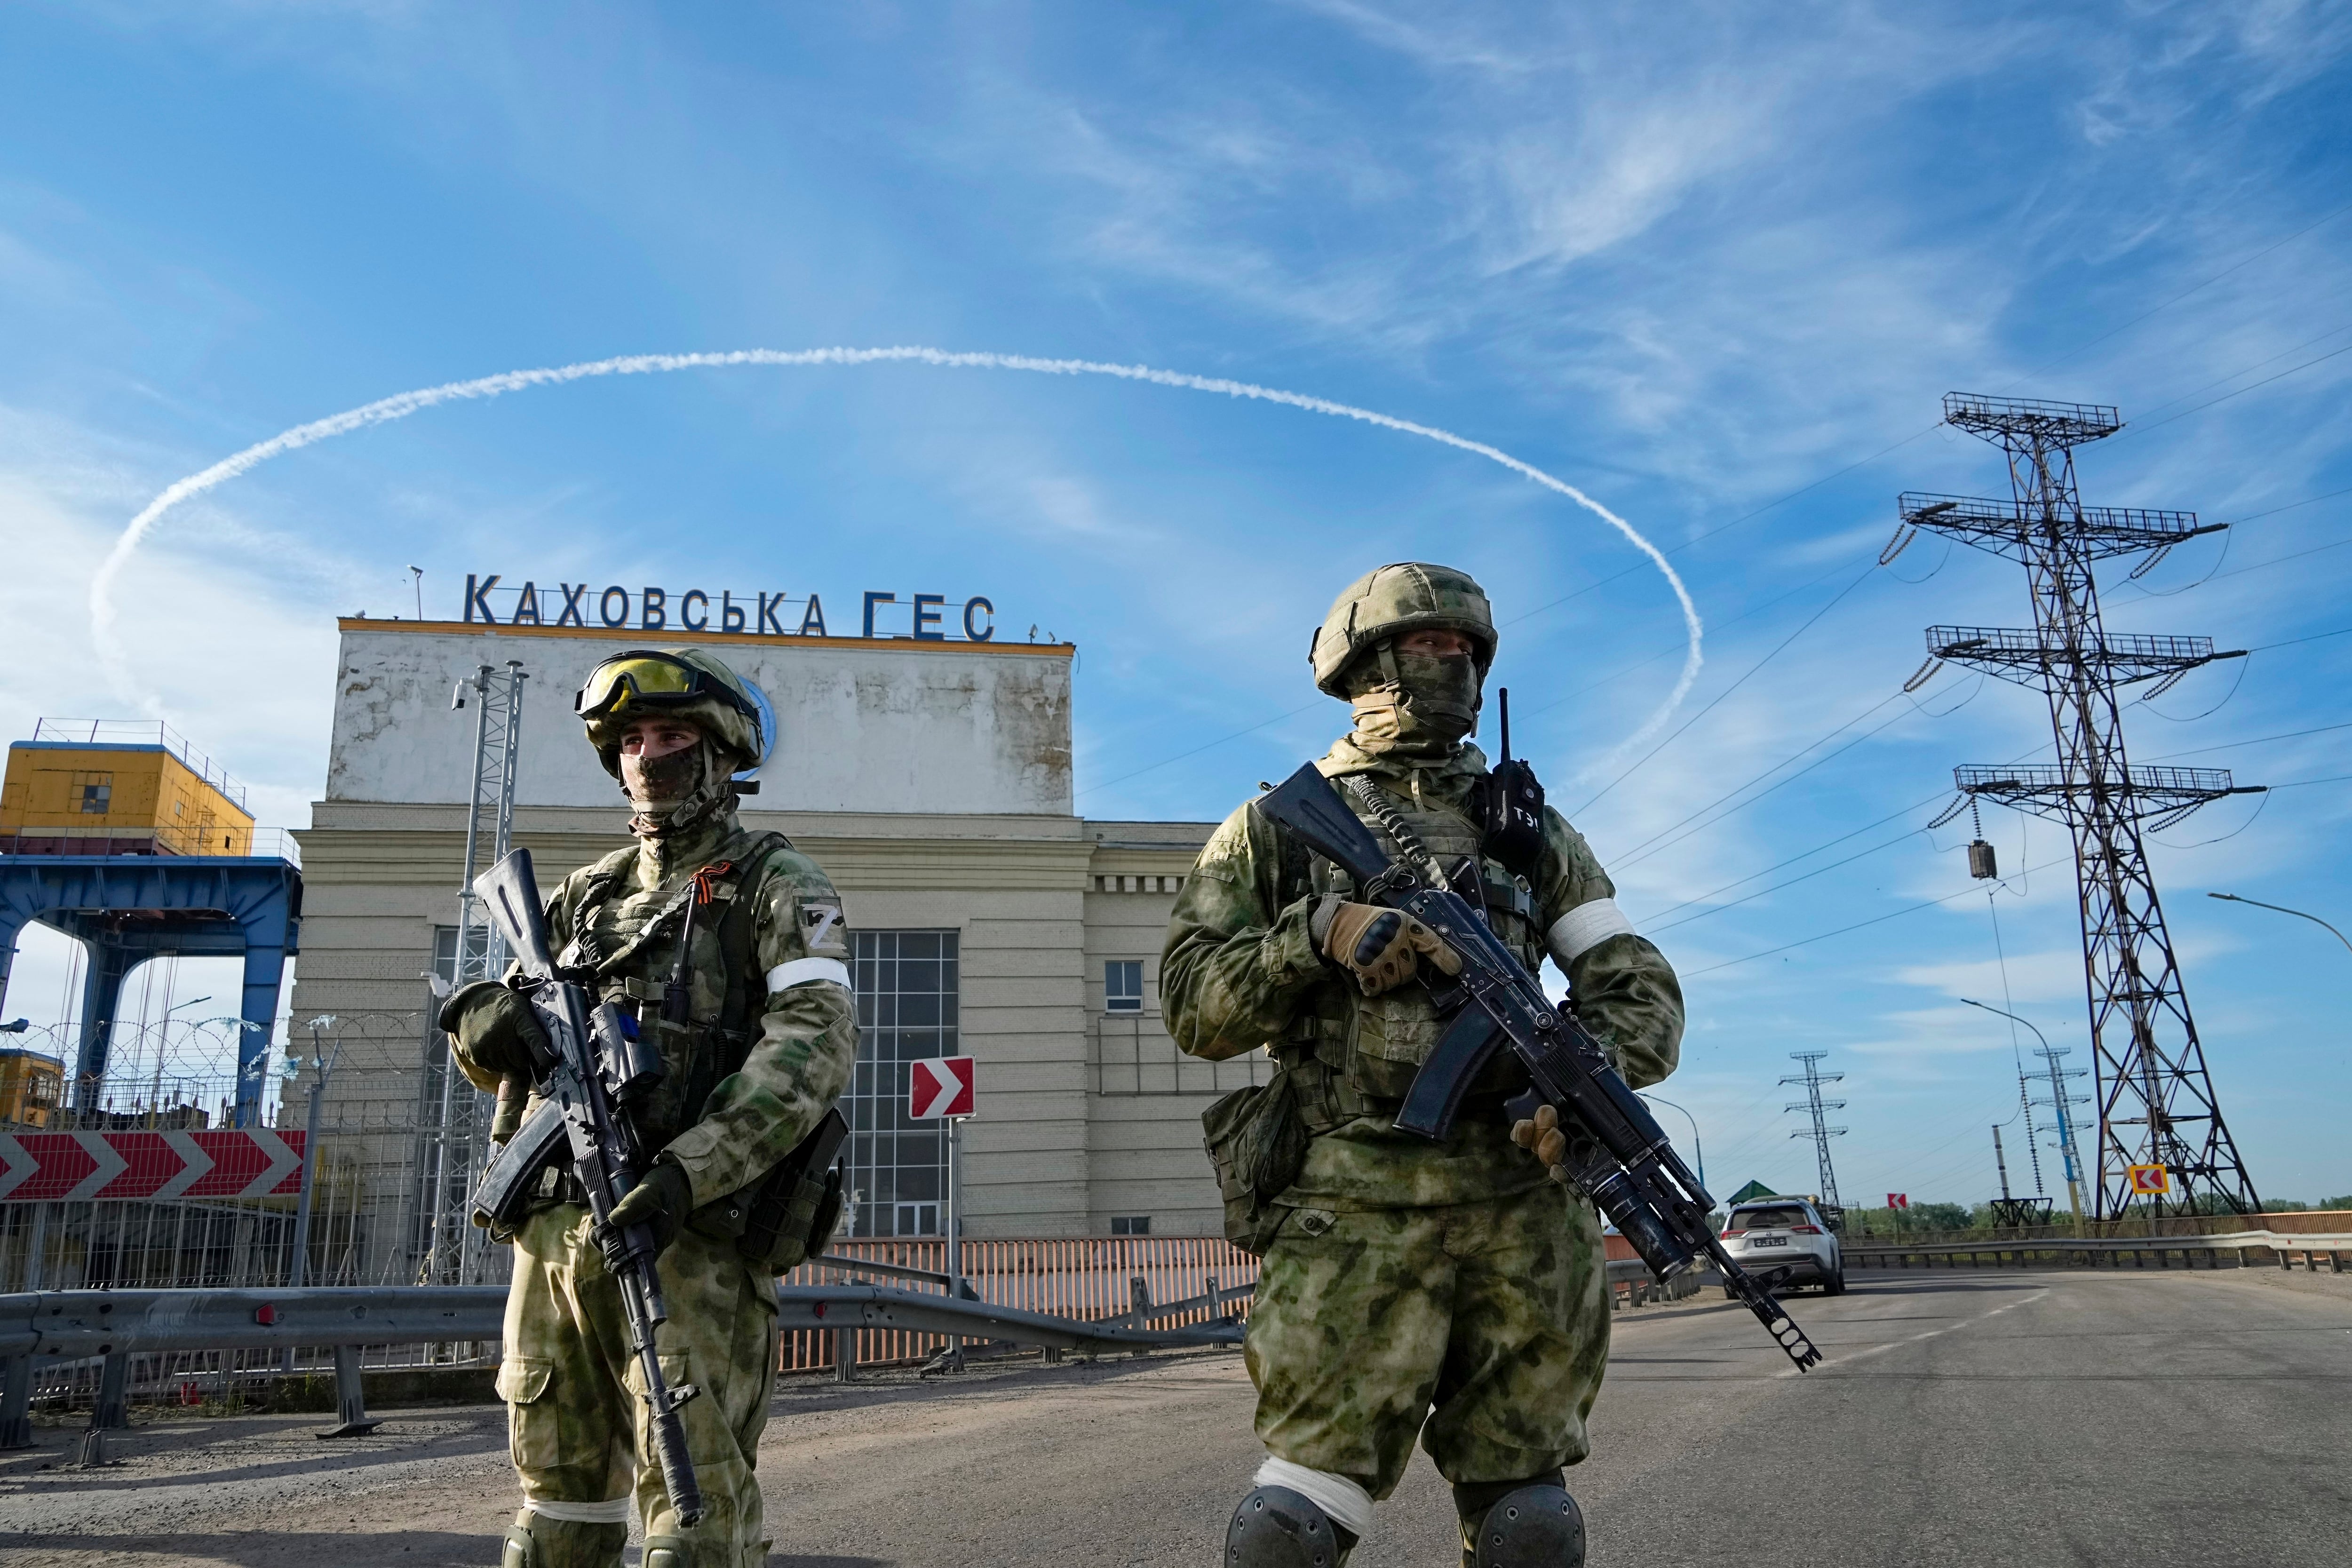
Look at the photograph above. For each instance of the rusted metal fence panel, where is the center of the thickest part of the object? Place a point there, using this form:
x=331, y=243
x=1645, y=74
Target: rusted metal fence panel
x=1099, y=1278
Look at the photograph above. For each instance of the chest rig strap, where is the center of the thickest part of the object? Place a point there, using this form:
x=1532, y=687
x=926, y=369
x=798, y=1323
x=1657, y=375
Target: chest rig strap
x=1465, y=880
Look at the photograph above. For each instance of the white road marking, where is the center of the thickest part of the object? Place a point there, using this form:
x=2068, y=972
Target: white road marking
x=1924, y=1334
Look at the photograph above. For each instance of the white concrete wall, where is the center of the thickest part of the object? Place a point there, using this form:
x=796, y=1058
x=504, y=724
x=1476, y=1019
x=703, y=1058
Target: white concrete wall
x=880, y=726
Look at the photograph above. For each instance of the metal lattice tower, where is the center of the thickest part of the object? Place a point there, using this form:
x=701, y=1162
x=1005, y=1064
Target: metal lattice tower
x=2063, y=1100
x=1821, y=1132
x=2156, y=1099
x=454, y=1135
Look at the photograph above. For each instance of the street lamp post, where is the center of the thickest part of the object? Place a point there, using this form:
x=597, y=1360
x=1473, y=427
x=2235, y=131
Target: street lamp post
x=1698, y=1152
x=2233, y=898
x=2058, y=1097
x=321, y=1065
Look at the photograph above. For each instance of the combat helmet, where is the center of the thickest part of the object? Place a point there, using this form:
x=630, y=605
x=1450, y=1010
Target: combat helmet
x=682, y=682
x=1390, y=601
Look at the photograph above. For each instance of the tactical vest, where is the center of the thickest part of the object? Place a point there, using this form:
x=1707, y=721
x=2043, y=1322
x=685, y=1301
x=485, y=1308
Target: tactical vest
x=1353, y=1055
x=632, y=948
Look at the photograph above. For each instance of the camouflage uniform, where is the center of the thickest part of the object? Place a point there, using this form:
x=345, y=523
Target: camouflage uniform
x=1480, y=1280
x=578, y=1424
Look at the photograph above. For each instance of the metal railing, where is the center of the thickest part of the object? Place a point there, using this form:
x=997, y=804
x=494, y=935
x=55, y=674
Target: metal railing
x=139, y=732
x=1086, y=1278
x=121, y=1339
x=2240, y=1247
x=229, y=840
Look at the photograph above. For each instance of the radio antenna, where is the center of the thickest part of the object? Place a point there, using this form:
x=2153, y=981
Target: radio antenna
x=1503, y=699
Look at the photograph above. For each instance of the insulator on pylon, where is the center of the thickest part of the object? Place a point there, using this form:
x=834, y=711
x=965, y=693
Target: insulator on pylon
x=1981, y=865
x=1924, y=674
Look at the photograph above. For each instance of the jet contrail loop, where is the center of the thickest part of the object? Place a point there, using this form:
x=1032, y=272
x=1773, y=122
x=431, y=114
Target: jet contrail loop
x=402, y=404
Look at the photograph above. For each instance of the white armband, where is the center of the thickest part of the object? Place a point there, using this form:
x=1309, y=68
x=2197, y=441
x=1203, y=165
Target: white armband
x=1585, y=928
x=808, y=972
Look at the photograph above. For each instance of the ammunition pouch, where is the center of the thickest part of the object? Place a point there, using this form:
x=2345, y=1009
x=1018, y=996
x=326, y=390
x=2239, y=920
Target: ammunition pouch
x=785, y=1218
x=1258, y=1145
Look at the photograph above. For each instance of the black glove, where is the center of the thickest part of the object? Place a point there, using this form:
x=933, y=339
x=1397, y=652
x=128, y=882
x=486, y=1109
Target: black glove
x=493, y=1033
x=660, y=1202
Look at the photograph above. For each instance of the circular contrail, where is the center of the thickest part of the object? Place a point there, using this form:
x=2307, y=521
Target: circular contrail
x=402, y=404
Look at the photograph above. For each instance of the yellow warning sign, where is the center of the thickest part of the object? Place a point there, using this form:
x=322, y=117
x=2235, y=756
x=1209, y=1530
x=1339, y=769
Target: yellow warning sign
x=2151, y=1180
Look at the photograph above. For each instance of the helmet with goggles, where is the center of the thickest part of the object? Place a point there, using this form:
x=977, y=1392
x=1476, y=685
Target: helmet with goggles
x=673, y=684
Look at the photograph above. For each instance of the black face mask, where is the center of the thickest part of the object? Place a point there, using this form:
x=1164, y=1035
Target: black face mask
x=679, y=789
x=1425, y=710
x=662, y=782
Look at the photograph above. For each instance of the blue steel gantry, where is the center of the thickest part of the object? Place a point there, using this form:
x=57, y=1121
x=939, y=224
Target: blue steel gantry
x=127, y=908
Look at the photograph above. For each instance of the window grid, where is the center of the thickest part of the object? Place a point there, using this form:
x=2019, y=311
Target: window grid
x=908, y=985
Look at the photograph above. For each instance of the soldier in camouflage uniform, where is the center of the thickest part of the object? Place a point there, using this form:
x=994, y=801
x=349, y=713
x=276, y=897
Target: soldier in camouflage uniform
x=766, y=1046
x=1454, y=1290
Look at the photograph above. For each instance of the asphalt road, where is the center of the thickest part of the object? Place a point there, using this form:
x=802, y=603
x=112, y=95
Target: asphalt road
x=2008, y=1418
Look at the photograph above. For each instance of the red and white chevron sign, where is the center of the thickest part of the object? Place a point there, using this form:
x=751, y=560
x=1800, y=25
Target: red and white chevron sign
x=250, y=1162
x=940, y=1086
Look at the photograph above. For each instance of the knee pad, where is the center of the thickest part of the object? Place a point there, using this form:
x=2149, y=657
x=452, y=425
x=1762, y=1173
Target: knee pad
x=1277, y=1528
x=667, y=1551
x=1535, y=1526
x=535, y=1541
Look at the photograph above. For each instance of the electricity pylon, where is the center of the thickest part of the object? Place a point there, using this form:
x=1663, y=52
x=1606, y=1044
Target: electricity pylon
x=1821, y=1132
x=2156, y=1099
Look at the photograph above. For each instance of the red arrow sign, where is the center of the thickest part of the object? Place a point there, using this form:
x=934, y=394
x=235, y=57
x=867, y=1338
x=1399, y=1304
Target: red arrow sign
x=941, y=1086
x=252, y=1163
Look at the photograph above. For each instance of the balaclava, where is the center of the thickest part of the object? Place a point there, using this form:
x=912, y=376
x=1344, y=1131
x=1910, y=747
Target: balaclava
x=680, y=789
x=1413, y=705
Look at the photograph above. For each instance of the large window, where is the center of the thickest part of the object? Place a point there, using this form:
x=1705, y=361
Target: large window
x=906, y=995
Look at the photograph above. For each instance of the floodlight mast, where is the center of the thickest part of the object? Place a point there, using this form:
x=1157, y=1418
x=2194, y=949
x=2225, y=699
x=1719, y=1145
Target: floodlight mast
x=2155, y=1098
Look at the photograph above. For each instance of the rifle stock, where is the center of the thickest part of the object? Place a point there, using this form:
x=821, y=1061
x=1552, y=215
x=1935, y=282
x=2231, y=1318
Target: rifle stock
x=1618, y=1155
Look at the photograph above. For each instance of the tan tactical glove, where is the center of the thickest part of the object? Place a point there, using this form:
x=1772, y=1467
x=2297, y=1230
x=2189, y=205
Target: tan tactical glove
x=1541, y=1136
x=493, y=1033
x=1379, y=947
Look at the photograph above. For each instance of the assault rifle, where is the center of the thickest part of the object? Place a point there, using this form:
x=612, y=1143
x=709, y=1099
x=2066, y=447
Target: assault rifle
x=594, y=1069
x=1617, y=1155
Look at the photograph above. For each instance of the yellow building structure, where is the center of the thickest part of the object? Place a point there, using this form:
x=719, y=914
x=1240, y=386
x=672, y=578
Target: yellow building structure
x=92, y=787
x=32, y=1086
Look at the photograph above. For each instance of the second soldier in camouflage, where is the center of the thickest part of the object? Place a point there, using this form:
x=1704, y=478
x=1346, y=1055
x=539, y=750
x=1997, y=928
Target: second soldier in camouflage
x=1452, y=1290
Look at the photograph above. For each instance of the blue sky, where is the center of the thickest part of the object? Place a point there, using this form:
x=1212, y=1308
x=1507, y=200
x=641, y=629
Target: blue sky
x=1717, y=274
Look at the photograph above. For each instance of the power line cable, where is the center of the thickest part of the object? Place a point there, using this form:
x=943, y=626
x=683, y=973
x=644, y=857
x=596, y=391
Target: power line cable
x=1642, y=851
x=2144, y=429
x=2257, y=741
x=1875, y=919
x=1793, y=859
x=1718, y=700
x=2194, y=287
x=2316, y=637
x=1760, y=892
x=2246, y=370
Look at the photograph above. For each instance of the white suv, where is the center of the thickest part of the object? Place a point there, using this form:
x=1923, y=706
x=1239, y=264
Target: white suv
x=1786, y=1233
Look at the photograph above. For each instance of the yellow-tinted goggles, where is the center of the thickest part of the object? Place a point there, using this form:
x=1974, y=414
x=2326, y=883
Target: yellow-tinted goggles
x=646, y=678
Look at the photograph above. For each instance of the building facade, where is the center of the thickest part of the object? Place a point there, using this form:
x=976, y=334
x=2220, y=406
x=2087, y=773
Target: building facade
x=931, y=780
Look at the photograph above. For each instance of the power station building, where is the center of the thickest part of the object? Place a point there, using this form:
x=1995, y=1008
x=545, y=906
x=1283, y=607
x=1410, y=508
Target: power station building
x=930, y=775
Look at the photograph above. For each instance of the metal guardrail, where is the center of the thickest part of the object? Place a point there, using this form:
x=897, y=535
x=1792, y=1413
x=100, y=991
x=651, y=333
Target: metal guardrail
x=114, y=1325
x=2110, y=1252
